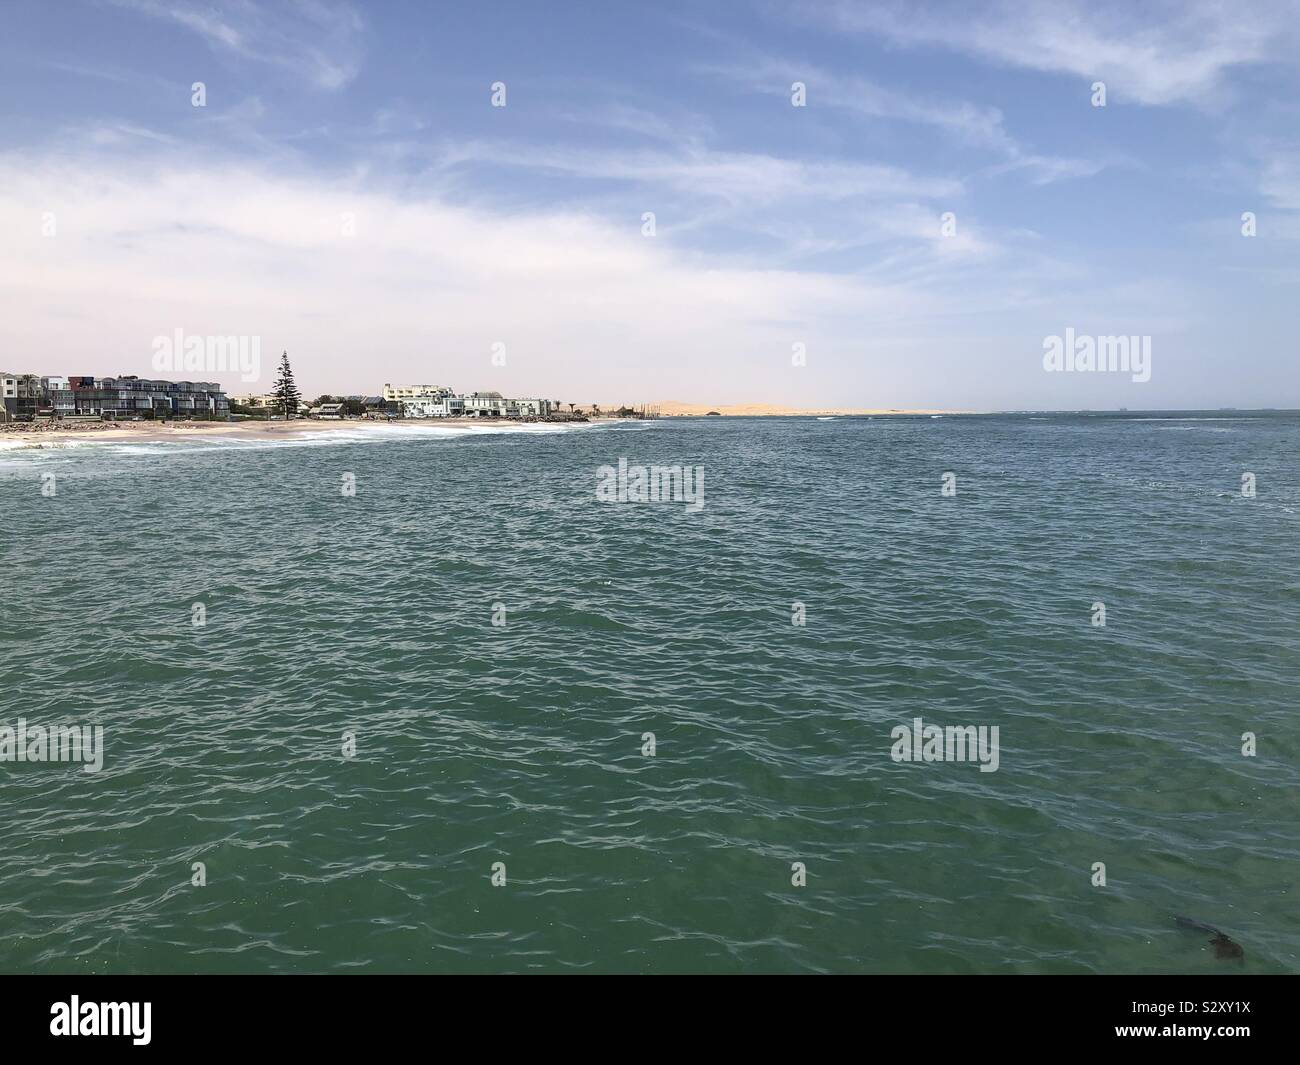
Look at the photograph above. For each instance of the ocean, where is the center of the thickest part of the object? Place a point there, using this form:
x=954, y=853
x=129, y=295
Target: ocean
x=469, y=718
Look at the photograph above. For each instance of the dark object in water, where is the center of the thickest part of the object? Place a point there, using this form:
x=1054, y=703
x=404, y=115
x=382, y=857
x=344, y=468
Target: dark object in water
x=1223, y=946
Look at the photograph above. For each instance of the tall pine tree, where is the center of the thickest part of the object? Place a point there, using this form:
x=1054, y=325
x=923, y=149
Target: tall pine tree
x=286, y=392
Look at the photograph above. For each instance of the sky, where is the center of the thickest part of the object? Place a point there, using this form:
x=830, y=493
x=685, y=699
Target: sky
x=944, y=198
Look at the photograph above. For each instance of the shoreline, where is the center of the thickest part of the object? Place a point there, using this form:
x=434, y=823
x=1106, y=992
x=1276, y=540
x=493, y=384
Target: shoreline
x=24, y=436
x=28, y=435
x=52, y=435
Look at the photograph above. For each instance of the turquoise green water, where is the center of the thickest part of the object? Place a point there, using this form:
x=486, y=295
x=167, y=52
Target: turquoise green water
x=522, y=744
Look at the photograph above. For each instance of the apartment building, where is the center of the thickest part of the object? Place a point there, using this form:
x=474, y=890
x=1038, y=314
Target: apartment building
x=402, y=393
x=255, y=401
x=57, y=396
x=131, y=396
x=475, y=405
x=485, y=405
x=447, y=406
x=8, y=395
x=22, y=395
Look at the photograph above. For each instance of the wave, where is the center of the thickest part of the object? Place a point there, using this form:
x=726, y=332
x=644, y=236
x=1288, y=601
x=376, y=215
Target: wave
x=359, y=434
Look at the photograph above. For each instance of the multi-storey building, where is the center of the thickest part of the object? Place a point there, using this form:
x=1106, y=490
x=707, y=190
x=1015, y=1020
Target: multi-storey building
x=58, y=396
x=252, y=400
x=485, y=405
x=475, y=405
x=401, y=393
x=447, y=406
x=132, y=396
x=8, y=395
x=22, y=396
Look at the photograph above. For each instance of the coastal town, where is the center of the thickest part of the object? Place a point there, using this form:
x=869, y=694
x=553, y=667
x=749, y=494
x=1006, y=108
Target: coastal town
x=432, y=401
x=31, y=401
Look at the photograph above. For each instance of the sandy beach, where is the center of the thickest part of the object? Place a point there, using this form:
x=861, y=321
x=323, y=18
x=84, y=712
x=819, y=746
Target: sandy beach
x=54, y=434
x=21, y=436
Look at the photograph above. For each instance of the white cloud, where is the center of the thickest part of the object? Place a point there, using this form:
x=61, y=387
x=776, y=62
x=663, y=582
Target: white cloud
x=587, y=309
x=738, y=178
x=963, y=121
x=1161, y=53
x=422, y=290
x=317, y=37
x=1280, y=181
x=966, y=121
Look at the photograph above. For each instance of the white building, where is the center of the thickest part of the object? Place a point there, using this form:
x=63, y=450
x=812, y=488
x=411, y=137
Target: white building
x=485, y=405
x=21, y=394
x=252, y=400
x=401, y=393
x=8, y=395
x=58, y=394
x=447, y=406
x=434, y=401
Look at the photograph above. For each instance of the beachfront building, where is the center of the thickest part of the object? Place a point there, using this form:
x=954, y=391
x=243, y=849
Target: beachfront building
x=8, y=396
x=441, y=403
x=25, y=396
x=58, y=396
x=22, y=396
x=131, y=396
x=372, y=404
x=401, y=393
x=532, y=408
x=485, y=405
x=264, y=404
x=257, y=402
x=31, y=396
x=447, y=406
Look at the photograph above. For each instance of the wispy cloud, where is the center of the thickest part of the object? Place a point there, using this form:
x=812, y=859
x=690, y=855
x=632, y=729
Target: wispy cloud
x=106, y=134
x=1280, y=181
x=315, y=37
x=963, y=121
x=677, y=128
x=966, y=121
x=1169, y=51
x=738, y=178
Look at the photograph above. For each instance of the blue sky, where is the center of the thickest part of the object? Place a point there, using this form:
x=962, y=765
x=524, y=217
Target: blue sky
x=349, y=192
